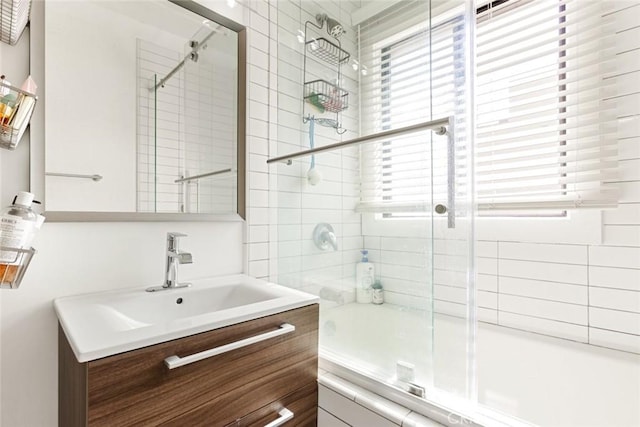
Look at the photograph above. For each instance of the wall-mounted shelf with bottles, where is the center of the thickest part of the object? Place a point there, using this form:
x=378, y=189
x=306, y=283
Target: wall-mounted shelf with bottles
x=324, y=100
x=16, y=109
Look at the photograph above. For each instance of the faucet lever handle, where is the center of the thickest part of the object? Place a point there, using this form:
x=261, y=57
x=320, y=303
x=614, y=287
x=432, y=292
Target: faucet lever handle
x=175, y=235
x=172, y=240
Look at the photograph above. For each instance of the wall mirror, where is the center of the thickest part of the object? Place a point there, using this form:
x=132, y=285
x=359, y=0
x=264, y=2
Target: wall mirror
x=144, y=107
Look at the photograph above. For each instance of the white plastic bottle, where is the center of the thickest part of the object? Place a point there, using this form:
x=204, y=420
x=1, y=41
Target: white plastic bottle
x=18, y=225
x=365, y=273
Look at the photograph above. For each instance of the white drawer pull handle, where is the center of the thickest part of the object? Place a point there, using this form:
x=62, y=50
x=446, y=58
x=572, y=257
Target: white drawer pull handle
x=176, y=361
x=285, y=415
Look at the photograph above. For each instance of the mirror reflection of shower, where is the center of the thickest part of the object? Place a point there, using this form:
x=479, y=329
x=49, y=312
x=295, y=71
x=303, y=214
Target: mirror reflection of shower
x=189, y=151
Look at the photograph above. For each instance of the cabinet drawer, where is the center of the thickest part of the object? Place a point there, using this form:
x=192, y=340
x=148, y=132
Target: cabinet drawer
x=302, y=403
x=136, y=388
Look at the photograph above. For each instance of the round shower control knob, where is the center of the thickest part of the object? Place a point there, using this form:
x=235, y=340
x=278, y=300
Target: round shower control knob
x=440, y=209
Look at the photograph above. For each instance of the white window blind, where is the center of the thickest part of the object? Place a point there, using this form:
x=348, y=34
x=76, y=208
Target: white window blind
x=544, y=138
x=413, y=71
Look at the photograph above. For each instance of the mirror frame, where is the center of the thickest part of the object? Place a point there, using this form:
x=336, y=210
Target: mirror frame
x=37, y=130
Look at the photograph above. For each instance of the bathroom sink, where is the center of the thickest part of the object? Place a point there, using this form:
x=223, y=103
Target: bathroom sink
x=105, y=323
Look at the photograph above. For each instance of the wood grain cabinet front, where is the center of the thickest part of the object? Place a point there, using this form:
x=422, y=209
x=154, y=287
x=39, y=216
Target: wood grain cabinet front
x=138, y=388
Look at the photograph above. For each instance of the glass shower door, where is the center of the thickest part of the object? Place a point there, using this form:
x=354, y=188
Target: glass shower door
x=402, y=198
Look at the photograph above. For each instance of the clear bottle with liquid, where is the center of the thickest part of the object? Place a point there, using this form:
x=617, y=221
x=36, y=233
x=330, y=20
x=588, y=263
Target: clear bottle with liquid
x=18, y=225
x=365, y=274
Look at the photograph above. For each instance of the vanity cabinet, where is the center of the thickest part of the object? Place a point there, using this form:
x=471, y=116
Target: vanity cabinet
x=251, y=385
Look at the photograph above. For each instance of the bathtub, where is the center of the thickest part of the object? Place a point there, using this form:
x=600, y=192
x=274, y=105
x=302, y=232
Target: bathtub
x=521, y=376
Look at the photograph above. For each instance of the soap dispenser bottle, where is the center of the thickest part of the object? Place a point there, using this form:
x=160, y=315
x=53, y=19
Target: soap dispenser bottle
x=365, y=273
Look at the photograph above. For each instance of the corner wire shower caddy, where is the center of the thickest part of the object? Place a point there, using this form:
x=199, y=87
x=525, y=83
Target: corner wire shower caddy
x=319, y=93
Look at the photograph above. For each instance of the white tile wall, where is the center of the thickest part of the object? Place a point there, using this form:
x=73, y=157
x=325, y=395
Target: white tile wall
x=302, y=206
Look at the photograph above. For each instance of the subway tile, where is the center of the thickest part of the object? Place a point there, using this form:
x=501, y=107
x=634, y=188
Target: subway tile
x=624, y=214
x=258, y=75
x=616, y=340
x=544, y=326
x=258, y=216
x=258, y=234
x=613, y=320
x=622, y=235
x=551, y=310
x=555, y=291
x=613, y=256
x=485, y=265
x=258, y=251
x=452, y=263
x=616, y=299
x=259, y=23
x=405, y=258
x=611, y=277
x=289, y=248
x=259, y=269
x=326, y=419
x=629, y=170
x=487, y=249
x=450, y=294
x=258, y=163
x=288, y=216
x=450, y=308
x=258, y=180
x=486, y=282
x=415, y=288
x=487, y=315
x=487, y=300
x=258, y=111
x=629, y=191
x=449, y=277
x=450, y=247
x=406, y=300
x=405, y=272
x=405, y=244
x=566, y=254
x=258, y=128
x=564, y=273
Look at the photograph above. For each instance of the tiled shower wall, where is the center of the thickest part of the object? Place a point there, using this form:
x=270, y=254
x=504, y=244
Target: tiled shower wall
x=301, y=206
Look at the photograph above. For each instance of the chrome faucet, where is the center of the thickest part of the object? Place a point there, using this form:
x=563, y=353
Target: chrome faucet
x=174, y=257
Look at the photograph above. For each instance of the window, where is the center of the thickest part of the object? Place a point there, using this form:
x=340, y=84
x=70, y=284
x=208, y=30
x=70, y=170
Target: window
x=544, y=138
x=414, y=75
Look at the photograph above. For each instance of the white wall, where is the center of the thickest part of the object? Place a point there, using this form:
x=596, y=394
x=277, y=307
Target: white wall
x=84, y=257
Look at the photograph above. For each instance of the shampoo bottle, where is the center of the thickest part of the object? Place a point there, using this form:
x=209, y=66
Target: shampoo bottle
x=365, y=273
x=18, y=225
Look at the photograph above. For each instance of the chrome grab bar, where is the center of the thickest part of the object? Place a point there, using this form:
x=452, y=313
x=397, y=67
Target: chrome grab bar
x=439, y=125
x=204, y=175
x=173, y=362
x=94, y=177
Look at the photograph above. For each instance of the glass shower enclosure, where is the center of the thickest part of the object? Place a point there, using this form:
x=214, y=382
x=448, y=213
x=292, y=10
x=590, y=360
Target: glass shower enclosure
x=374, y=195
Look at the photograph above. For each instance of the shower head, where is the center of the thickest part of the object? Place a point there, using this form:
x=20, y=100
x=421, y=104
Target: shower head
x=333, y=27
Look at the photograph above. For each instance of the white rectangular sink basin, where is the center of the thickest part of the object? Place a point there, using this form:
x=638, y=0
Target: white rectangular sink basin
x=106, y=323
